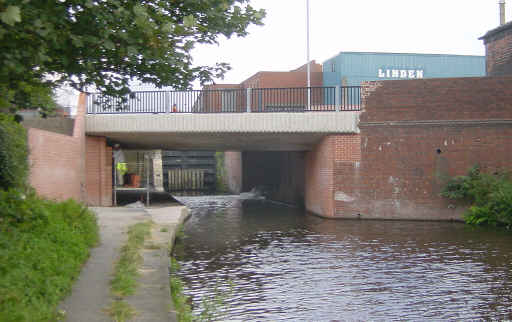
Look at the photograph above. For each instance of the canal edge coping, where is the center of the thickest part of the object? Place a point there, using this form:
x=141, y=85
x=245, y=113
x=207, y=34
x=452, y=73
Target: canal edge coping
x=153, y=296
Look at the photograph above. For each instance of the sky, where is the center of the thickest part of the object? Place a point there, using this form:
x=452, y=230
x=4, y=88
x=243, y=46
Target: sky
x=401, y=26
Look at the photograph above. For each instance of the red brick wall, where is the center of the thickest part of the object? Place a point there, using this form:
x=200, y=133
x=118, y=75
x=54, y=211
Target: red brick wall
x=57, y=167
x=212, y=101
x=98, y=171
x=416, y=134
x=469, y=98
x=77, y=167
x=293, y=78
x=271, y=79
x=332, y=173
x=288, y=79
x=233, y=168
x=347, y=162
x=498, y=48
x=319, y=178
x=404, y=171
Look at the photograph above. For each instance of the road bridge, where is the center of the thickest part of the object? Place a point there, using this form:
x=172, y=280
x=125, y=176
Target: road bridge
x=267, y=130
x=276, y=119
x=388, y=162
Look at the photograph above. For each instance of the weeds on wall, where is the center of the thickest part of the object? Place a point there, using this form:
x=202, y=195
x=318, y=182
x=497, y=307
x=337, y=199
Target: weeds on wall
x=43, y=245
x=489, y=196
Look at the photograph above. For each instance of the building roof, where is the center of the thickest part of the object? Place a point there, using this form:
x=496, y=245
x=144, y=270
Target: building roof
x=395, y=53
x=496, y=31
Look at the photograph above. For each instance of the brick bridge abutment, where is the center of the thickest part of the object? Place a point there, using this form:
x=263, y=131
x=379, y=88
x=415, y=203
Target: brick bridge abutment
x=414, y=135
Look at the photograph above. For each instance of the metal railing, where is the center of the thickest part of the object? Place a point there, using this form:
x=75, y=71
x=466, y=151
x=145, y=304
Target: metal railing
x=257, y=100
x=300, y=99
x=350, y=98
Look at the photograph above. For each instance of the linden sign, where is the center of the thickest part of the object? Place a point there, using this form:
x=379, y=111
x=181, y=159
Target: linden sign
x=400, y=73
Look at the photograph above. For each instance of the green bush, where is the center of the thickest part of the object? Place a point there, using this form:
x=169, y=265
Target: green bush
x=490, y=197
x=13, y=153
x=43, y=245
x=221, y=186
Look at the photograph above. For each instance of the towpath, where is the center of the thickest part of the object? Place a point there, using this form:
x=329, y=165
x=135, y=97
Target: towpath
x=90, y=294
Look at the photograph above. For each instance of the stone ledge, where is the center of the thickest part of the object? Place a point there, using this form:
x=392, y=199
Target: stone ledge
x=437, y=123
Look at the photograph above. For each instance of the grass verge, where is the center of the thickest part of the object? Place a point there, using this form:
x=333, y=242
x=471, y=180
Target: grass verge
x=210, y=307
x=43, y=245
x=124, y=281
x=120, y=311
x=180, y=300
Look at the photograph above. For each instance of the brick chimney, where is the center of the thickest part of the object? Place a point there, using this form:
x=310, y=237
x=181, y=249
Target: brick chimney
x=498, y=47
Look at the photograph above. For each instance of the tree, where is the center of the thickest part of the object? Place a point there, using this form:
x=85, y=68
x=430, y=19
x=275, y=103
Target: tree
x=107, y=43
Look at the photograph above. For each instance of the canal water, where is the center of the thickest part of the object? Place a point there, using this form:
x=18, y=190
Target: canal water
x=272, y=263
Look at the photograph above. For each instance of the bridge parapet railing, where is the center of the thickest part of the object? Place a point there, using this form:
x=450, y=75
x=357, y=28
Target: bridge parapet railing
x=238, y=100
x=306, y=99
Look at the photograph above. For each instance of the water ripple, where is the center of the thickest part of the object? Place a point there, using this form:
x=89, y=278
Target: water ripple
x=276, y=264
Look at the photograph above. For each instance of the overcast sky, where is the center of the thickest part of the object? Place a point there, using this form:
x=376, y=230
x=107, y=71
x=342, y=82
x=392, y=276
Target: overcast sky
x=403, y=26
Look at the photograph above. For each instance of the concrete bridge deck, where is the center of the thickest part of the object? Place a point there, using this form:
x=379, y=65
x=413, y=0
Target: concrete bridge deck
x=258, y=131
x=287, y=119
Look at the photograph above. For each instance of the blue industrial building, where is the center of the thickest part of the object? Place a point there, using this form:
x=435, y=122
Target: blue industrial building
x=352, y=68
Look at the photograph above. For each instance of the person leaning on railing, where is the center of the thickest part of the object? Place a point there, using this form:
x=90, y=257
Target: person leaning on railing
x=120, y=164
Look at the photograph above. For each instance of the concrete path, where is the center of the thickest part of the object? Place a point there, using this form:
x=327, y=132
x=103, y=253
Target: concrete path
x=152, y=301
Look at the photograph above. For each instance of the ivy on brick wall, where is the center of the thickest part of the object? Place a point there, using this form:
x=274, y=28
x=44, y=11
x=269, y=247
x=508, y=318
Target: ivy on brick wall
x=13, y=153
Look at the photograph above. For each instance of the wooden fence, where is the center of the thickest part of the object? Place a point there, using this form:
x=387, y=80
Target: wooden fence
x=186, y=179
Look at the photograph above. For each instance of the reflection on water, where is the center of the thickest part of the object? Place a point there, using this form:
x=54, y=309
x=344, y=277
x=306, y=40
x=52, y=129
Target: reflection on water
x=285, y=265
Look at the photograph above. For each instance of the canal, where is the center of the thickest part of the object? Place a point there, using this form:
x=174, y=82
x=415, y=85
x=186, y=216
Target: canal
x=272, y=263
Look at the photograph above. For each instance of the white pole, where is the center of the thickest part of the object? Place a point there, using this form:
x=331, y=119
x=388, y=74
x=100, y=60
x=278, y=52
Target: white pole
x=115, y=183
x=307, y=54
x=146, y=161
